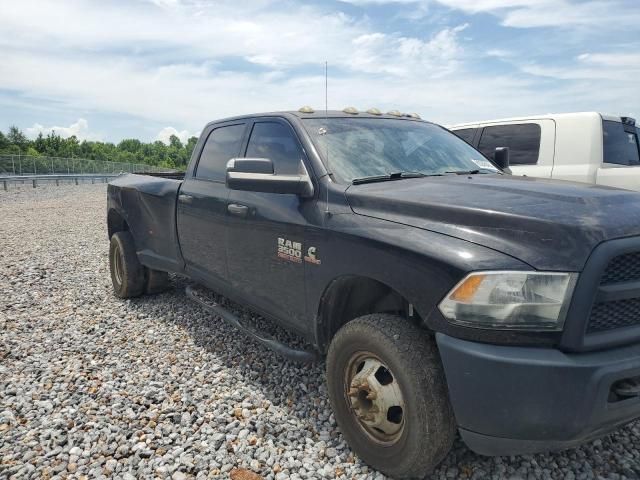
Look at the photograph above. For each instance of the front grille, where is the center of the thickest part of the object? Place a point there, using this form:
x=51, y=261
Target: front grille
x=616, y=314
x=623, y=268
x=610, y=315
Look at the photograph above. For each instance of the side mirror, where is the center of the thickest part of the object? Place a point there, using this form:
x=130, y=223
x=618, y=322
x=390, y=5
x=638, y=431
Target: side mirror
x=501, y=157
x=257, y=175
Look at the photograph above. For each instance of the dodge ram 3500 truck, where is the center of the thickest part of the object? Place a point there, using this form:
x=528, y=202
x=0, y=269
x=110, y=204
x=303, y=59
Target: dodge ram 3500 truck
x=445, y=295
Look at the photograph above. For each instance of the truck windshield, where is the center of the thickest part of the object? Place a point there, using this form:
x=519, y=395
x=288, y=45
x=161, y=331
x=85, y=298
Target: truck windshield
x=366, y=147
x=620, y=143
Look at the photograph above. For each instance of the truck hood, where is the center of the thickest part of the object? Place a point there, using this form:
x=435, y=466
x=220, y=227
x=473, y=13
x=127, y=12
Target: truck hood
x=549, y=224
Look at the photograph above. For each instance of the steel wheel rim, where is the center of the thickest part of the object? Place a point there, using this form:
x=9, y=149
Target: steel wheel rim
x=375, y=398
x=117, y=265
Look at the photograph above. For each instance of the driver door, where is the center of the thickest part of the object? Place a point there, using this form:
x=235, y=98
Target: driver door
x=265, y=231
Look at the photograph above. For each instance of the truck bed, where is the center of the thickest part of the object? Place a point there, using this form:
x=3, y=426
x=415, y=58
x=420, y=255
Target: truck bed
x=171, y=175
x=147, y=203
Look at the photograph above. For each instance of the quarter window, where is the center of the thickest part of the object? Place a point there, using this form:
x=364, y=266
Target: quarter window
x=276, y=141
x=522, y=139
x=620, y=144
x=222, y=145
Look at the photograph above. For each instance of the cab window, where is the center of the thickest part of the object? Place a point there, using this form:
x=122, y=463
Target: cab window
x=466, y=134
x=522, y=139
x=277, y=142
x=222, y=144
x=620, y=143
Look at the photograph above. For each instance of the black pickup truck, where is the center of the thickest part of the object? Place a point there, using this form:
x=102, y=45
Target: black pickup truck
x=445, y=294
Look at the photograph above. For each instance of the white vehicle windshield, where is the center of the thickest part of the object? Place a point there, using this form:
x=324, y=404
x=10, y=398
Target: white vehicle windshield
x=365, y=147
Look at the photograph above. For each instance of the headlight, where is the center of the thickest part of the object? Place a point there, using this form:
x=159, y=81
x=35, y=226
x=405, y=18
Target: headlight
x=510, y=300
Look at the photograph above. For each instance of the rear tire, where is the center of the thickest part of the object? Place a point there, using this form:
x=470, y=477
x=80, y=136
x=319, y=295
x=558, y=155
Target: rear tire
x=389, y=396
x=127, y=274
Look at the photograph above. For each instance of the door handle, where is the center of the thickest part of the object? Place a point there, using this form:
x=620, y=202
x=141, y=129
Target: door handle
x=238, y=210
x=184, y=198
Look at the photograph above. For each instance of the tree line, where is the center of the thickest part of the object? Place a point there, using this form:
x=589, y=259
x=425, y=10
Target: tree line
x=175, y=155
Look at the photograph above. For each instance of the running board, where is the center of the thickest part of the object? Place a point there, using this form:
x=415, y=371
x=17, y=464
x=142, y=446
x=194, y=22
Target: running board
x=260, y=337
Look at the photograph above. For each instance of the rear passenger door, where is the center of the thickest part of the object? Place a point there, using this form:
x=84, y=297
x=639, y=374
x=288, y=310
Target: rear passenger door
x=202, y=205
x=530, y=142
x=261, y=223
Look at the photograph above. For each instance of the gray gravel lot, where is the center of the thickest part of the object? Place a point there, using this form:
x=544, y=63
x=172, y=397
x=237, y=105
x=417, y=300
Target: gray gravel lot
x=94, y=386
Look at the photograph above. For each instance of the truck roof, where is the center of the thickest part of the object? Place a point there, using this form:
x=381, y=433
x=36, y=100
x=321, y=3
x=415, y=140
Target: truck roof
x=321, y=114
x=554, y=116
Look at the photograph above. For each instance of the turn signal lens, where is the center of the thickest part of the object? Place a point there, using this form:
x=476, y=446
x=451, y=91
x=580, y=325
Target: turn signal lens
x=467, y=289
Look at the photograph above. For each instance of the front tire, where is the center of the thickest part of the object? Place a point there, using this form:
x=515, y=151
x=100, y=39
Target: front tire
x=127, y=274
x=389, y=396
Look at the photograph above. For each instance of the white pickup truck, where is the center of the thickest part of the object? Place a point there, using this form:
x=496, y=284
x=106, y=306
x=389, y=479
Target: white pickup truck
x=587, y=147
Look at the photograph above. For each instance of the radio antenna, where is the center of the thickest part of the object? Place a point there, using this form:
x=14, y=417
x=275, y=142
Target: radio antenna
x=326, y=123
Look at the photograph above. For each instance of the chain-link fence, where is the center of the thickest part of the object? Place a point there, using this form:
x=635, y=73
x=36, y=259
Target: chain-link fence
x=29, y=165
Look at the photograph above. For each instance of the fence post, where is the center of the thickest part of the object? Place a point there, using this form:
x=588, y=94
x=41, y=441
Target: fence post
x=34, y=183
x=76, y=180
x=35, y=172
x=13, y=166
x=52, y=169
x=5, y=185
x=20, y=164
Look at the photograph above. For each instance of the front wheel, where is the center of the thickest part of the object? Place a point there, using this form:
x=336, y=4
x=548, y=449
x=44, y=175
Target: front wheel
x=389, y=396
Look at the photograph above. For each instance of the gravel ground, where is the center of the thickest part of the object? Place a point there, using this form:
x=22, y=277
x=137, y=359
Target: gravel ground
x=94, y=386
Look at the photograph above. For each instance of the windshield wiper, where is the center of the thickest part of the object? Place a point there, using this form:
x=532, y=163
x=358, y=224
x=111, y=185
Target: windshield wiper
x=472, y=172
x=391, y=176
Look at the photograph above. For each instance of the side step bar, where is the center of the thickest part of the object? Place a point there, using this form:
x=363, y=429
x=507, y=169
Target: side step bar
x=260, y=337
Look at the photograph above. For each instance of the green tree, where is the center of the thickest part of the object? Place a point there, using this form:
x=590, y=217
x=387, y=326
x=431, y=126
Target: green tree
x=32, y=151
x=4, y=142
x=39, y=143
x=17, y=138
x=131, y=145
x=130, y=150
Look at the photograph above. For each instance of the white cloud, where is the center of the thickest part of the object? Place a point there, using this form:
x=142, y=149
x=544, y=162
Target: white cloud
x=554, y=13
x=621, y=70
x=184, y=62
x=150, y=83
x=164, y=135
x=499, y=53
x=539, y=13
x=615, y=60
x=79, y=129
x=404, y=56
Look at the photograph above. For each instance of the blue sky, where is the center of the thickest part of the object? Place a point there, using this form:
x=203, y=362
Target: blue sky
x=118, y=69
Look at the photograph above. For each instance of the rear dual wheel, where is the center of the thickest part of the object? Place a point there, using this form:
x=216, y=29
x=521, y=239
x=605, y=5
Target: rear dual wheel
x=128, y=276
x=389, y=396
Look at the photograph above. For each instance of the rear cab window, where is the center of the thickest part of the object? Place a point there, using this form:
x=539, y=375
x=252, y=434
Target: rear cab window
x=620, y=143
x=223, y=144
x=523, y=140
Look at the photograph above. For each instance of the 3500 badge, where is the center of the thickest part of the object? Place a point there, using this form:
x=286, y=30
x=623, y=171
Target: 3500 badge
x=292, y=251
